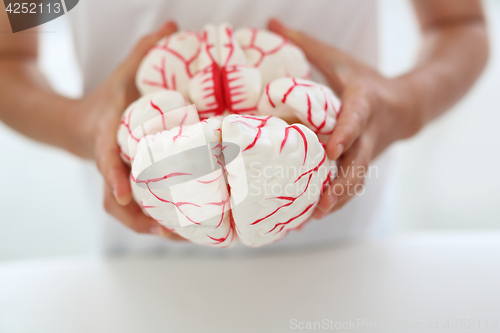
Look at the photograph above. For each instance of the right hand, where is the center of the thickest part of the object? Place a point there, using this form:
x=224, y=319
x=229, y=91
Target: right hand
x=99, y=115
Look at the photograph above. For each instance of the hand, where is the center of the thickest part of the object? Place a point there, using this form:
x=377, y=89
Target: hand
x=99, y=118
x=376, y=111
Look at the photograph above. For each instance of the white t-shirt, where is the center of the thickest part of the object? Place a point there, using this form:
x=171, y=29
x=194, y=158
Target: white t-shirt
x=106, y=31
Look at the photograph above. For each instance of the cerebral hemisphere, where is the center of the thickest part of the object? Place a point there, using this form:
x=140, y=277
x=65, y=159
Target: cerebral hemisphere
x=227, y=140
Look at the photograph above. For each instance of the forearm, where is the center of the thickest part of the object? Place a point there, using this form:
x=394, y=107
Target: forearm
x=28, y=105
x=451, y=59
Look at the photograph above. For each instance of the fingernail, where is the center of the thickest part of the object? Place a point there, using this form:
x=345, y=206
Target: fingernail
x=160, y=231
x=333, y=201
x=318, y=214
x=156, y=230
x=339, y=151
x=122, y=201
x=284, y=28
x=322, y=210
x=116, y=196
x=169, y=25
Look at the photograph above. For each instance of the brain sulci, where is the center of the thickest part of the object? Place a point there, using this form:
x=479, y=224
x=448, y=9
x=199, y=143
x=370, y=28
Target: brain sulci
x=227, y=141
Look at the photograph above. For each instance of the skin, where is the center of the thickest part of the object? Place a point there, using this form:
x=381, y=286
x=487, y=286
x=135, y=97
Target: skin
x=377, y=111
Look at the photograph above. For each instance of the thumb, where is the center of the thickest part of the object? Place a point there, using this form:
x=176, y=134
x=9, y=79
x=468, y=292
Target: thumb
x=317, y=52
x=129, y=67
x=322, y=56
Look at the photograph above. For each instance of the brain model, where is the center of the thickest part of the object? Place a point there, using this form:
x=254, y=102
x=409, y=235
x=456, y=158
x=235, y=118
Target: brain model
x=226, y=141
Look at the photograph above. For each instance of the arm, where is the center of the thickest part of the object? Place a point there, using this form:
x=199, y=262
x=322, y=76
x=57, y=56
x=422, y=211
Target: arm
x=25, y=92
x=85, y=127
x=453, y=53
x=378, y=111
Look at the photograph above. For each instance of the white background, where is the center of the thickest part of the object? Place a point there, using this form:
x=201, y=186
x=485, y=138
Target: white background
x=445, y=178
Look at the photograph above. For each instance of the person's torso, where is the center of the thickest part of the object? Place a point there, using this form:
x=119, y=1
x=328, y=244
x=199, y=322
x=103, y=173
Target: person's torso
x=105, y=31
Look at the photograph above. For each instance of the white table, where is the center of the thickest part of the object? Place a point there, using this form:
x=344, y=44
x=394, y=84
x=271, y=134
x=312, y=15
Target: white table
x=415, y=281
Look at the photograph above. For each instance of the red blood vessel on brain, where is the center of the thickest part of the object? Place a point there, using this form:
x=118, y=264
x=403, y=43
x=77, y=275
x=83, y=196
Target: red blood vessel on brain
x=254, y=166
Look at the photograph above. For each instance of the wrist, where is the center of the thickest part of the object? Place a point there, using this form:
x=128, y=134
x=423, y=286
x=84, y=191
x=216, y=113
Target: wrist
x=408, y=103
x=80, y=135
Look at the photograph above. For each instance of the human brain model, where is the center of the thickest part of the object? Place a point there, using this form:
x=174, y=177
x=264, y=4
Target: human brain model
x=226, y=141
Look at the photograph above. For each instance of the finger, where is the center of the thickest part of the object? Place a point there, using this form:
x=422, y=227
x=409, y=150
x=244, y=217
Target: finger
x=130, y=65
x=321, y=55
x=316, y=51
x=352, y=121
x=132, y=216
x=318, y=214
x=325, y=204
x=109, y=163
x=351, y=174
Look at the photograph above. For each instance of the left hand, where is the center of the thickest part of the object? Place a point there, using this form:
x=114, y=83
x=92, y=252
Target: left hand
x=376, y=111
x=99, y=115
